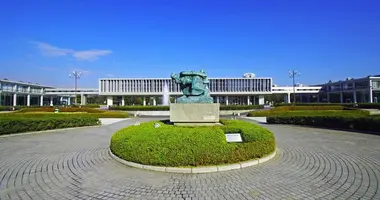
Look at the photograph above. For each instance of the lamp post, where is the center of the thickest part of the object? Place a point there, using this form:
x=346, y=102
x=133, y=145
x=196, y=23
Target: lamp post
x=293, y=74
x=76, y=75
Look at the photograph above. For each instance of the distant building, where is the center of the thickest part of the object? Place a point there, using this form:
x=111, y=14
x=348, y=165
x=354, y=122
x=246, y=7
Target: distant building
x=350, y=90
x=229, y=91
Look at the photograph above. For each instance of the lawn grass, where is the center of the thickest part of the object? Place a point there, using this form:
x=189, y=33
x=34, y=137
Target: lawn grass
x=174, y=146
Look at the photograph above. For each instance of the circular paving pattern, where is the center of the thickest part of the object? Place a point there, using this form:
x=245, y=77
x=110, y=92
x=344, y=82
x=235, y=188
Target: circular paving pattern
x=75, y=164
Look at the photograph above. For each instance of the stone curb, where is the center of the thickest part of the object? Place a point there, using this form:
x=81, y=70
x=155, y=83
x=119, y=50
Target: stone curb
x=194, y=170
x=46, y=131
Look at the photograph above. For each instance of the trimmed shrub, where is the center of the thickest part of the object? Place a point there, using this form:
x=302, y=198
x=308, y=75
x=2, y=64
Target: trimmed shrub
x=5, y=108
x=86, y=106
x=287, y=108
x=363, y=123
x=241, y=107
x=274, y=112
x=140, y=108
x=61, y=109
x=19, y=124
x=314, y=104
x=166, y=108
x=369, y=105
x=104, y=114
x=177, y=146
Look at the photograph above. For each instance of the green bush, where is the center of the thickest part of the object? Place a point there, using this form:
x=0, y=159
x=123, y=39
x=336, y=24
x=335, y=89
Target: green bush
x=314, y=104
x=287, y=108
x=139, y=108
x=86, y=106
x=166, y=108
x=5, y=108
x=17, y=124
x=363, y=123
x=177, y=146
x=369, y=105
x=61, y=109
x=241, y=107
x=107, y=114
x=266, y=113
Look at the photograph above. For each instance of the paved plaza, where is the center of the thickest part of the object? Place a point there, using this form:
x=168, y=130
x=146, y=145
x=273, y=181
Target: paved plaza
x=75, y=164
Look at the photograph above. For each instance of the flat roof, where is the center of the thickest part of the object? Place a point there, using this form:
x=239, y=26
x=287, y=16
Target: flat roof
x=25, y=83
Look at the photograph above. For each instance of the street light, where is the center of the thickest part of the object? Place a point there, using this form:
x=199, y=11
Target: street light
x=293, y=74
x=76, y=75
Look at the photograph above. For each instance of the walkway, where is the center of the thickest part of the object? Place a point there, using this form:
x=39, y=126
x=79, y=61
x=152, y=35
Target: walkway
x=74, y=164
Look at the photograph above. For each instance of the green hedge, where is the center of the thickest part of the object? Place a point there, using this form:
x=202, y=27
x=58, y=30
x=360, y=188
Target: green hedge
x=266, y=113
x=289, y=108
x=241, y=107
x=369, y=105
x=5, y=108
x=363, y=123
x=166, y=108
x=109, y=114
x=18, y=124
x=86, y=106
x=177, y=146
x=349, y=105
x=139, y=108
x=61, y=109
x=314, y=104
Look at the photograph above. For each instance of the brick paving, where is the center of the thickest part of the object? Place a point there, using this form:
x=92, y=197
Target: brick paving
x=74, y=164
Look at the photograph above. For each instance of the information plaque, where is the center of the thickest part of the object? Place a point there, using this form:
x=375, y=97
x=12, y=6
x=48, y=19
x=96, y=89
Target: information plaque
x=233, y=137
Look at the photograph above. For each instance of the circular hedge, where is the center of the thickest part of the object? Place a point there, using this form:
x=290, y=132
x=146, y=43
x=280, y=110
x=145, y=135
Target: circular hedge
x=176, y=146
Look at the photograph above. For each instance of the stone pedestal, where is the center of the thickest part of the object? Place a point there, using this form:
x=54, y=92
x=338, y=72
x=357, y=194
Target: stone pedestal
x=194, y=114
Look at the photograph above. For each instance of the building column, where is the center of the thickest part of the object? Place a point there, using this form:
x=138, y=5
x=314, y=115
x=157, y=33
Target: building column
x=14, y=99
x=42, y=100
x=154, y=101
x=61, y=100
x=144, y=101
x=370, y=96
x=1, y=102
x=69, y=100
x=28, y=100
x=122, y=101
x=328, y=97
x=248, y=100
x=288, y=98
x=83, y=99
x=341, y=97
x=354, y=95
x=51, y=101
x=261, y=100
x=227, y=100
x=110, y=101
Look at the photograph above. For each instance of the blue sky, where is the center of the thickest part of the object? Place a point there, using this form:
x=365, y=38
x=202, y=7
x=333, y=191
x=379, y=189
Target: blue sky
x=42, y=41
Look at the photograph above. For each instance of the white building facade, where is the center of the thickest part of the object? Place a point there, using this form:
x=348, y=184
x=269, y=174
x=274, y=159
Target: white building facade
x=249, y=90
x=223, y=90
x=361, y=90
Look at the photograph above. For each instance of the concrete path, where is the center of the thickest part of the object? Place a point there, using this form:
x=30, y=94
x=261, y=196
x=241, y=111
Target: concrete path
x=74, y=164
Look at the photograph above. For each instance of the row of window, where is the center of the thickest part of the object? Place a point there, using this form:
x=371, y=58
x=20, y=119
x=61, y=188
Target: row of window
x=347, y=86
x=23, y=89
x=158, y=85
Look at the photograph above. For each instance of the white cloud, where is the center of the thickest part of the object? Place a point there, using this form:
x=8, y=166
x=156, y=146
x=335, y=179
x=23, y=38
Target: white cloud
x=90, y=55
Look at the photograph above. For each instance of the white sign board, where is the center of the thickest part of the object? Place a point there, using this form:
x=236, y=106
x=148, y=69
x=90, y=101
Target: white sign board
x=233, y=137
